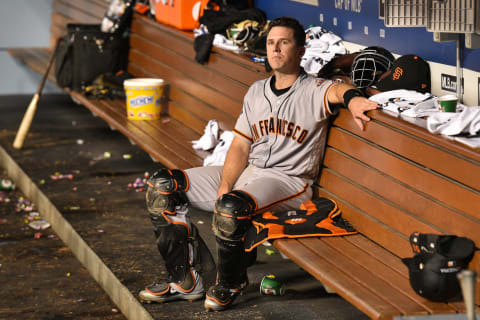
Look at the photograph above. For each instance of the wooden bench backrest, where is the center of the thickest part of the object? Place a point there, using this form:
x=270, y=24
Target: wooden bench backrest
x=85, y=11
x=395, y=178
x=198, y=93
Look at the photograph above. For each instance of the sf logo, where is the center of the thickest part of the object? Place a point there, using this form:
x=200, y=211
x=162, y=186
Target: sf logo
x=397, y=73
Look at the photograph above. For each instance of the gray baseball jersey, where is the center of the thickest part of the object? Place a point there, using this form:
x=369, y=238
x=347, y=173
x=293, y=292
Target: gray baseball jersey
x=286, y=132
x=287, y=136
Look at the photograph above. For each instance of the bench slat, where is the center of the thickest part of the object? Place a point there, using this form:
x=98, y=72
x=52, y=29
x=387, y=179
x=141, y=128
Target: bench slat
x=360, y=273
x=184, y=82
x=407, y=172
x=196, y=107
x=431, y=156
x=378, y=232
x=329, y=274
x=373, y=205
x=240, y=59
x=383, y=270
x=231, y=88
x=34, y=58
x=407, y=198
x=184, y=47
x=186, y=117
x=161, y=150
x=417, y=127
x=87, y=12
x=202, y=110
x=173, y=135
x=176, y=131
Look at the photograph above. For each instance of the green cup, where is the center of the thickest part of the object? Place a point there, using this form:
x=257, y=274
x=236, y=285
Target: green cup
x=448, y=103
x=271, y=286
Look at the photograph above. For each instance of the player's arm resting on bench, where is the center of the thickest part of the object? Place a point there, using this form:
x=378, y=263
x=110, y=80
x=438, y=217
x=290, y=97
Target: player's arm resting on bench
x=235, y=163
x=357, y=103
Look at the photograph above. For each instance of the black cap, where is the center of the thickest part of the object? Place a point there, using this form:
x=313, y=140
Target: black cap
x=408, y=72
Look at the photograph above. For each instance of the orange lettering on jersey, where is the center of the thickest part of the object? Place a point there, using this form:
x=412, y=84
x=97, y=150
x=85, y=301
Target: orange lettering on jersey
x=256, y=137
x=260, y=124
x=290, y=129
x=271, y=126
x=294, y=137
x=279, y=126
x=302, y=136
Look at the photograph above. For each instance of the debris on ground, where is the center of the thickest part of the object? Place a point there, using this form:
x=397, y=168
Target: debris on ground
x=39, y=224
x=140, y=183
x=59, y=176
x=269, y=252
x=6, y=185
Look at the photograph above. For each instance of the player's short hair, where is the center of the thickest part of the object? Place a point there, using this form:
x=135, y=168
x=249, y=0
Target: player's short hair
x=292, y=23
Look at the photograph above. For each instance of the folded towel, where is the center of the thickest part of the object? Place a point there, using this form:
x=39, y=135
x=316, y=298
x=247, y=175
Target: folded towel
x=454, y=123
x=217, y=158
x=407, y=102
x=210, y=137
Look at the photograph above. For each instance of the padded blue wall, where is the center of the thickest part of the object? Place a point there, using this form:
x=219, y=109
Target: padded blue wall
x=398, y=40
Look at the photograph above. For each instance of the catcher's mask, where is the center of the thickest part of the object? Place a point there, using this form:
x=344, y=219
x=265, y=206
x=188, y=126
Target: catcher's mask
x=369, y=65
x=437, y=260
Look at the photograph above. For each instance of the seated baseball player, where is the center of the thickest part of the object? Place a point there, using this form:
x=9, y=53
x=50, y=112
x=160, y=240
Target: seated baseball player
x=274, y=158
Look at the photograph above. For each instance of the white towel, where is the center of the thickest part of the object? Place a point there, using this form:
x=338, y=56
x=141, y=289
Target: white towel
x=210, y=137
x=217, y=158
x=222, y=42
x=453, y=123
x=407, y=102
x=320, y=47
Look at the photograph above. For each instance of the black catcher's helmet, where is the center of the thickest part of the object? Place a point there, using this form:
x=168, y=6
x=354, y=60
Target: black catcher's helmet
x=369, y=65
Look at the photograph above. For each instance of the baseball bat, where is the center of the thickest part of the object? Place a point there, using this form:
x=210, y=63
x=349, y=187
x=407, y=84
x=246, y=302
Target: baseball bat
x=32, y=107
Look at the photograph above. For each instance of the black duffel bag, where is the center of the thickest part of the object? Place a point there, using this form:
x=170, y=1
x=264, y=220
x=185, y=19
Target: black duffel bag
x=86, y=52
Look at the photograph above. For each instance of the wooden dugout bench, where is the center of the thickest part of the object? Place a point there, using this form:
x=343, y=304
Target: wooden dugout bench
x=390, y=180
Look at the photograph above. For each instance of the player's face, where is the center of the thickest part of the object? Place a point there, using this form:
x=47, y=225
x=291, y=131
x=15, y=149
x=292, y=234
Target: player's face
x=282, y=51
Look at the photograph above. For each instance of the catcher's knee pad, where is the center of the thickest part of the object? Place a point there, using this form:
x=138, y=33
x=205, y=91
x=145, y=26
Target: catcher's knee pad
x=166, y=190
x=232, y=213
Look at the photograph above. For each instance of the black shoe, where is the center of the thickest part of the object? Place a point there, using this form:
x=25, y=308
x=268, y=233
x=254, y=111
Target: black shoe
x=163, y=292
x=220, y=296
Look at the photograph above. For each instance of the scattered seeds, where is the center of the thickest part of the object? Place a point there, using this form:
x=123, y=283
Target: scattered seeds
x=269, y=252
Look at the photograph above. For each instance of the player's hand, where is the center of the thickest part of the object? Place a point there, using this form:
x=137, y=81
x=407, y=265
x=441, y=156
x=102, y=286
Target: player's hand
x=358, y=106
x=222, y=189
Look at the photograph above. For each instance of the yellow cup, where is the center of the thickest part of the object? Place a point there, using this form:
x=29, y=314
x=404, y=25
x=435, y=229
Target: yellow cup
x=144, y=98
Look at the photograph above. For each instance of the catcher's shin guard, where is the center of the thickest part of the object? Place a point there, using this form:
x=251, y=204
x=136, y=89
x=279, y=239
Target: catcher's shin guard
x=177, y=239
x=232, y=263
x=172, y=242
x=231, y=277
x=230, y=222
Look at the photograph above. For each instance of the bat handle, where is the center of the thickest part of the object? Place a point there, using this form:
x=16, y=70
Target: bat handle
x=26, y=122
x=467, y=280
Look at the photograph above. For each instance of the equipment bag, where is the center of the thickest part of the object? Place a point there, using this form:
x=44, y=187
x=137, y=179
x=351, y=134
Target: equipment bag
x=86, y=52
